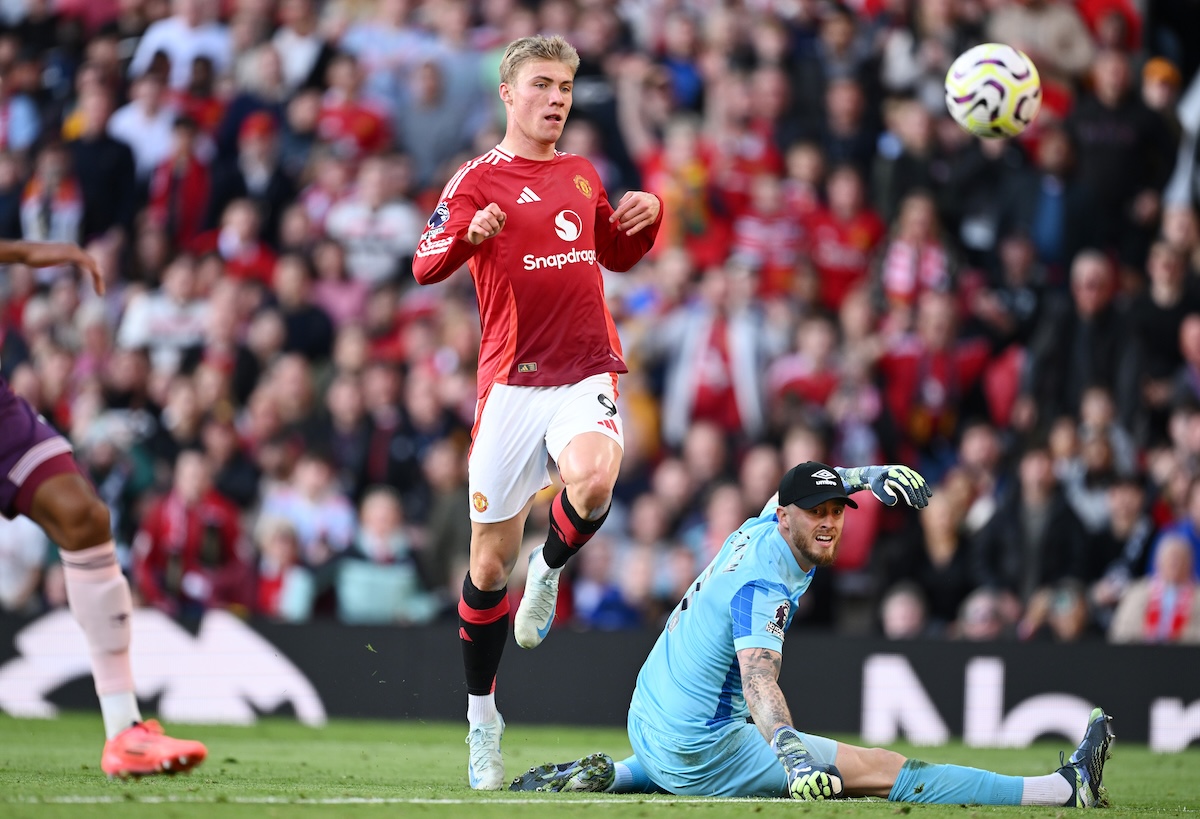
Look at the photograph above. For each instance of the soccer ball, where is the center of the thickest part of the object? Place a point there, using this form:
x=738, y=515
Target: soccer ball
x=993, y=90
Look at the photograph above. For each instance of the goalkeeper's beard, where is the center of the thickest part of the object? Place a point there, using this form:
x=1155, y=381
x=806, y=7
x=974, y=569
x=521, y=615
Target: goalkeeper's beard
x=823, y=558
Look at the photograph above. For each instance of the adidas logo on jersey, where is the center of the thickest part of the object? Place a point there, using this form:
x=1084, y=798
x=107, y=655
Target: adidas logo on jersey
x=527, y=196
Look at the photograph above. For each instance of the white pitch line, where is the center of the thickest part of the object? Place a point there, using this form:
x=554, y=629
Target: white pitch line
x=366, y=800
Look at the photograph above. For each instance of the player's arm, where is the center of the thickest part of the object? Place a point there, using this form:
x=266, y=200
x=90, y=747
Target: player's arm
x=760, y=686
x=625, y=234
x=459, y=225
x=47, y=254
x=888, y=483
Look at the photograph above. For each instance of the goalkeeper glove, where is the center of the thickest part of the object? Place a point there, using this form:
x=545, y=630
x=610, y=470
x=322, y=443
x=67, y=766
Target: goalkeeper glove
x=889, y=484
x=807, y=778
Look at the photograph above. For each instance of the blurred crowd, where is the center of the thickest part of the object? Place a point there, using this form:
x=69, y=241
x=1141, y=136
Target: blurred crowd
x=279, y=418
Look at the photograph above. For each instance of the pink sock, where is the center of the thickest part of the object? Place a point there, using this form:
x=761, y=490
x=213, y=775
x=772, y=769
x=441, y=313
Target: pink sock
x=103, y=606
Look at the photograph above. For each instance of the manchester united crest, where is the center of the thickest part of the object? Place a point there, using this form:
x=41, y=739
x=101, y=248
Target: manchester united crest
x=479, y=500
x=584, y=186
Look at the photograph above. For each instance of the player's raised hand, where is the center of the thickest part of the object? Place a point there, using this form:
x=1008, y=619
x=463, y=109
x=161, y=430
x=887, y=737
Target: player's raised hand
x=486, y=223
x=889, y=484
x=636, y=210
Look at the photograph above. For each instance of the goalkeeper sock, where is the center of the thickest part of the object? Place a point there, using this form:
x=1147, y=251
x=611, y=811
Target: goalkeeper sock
x=1051, y=789
x=568, y=531
x=954, y=785
x=483, y=631
x=631, y=777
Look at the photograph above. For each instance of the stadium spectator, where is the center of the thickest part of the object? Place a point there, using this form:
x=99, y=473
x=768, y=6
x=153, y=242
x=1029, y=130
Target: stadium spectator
x=1050, y=32
x=597, y=588
x=320, y=512
x=246, y=256
x=902, y=613
x=199, y=102
x=52, y=203
x=344, y=424
x=1185, y=384
x=179, y=186
x=930, y=383
x=445, y=556
x=191, y=30
x=180, y=423
x=843, y=235
x=1059, y=614
x=168, y=319
x=388, y=48
x=1163, y=607
x=253, y=171
x=1125, y=172
x=284, y=587
x=713, y=350
x=308, y=329
x=933, y=555
x=768, y=239
x=342, y=297
x=219, y=344
x=235, y=476
x=187, y=553
x=1080, y=343
x=348, y=122
x=916, y=56
x=144, y=124
x=376, y=225
x=105, y=169
x=258, y=88
x=1049, y=203
x=20, y=124
x=1034, y=540
x=1122, y=549
x=379, y=581
x=905, y=164
x=303, y=48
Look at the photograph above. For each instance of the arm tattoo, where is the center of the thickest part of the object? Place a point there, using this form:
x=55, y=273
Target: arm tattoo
x=760, y=686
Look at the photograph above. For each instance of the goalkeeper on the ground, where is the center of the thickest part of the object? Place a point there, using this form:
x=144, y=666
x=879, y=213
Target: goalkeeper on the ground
x=708, y=717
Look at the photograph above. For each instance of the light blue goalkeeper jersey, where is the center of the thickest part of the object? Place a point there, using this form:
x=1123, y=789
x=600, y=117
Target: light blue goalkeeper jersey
x=745, y=598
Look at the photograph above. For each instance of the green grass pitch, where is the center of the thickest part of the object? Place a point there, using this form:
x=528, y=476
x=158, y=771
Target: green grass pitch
x=278, y=768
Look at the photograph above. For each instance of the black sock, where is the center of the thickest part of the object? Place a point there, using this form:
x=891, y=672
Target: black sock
x=483, y=631
x=568, y=531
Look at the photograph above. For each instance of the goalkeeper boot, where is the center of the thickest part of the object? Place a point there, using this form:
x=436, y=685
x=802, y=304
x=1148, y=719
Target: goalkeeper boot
x=536, y=611
x=485, y=765
x=1085, y=768
x=143, y=749
x=592, y=774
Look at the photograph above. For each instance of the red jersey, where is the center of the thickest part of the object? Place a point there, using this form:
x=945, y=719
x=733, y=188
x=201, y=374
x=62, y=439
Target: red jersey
x=541, y=295
x=841, y=252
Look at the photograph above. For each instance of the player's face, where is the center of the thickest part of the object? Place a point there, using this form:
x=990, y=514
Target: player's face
x=814, y=534
x=539, y=100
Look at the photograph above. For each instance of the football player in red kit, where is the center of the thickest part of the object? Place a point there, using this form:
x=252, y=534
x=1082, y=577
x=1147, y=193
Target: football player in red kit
x=534, y=226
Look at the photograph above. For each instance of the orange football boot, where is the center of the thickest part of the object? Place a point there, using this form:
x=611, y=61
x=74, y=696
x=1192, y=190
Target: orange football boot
x=143, y=749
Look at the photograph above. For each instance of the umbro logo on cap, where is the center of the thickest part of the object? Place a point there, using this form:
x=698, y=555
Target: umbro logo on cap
x=810, y=484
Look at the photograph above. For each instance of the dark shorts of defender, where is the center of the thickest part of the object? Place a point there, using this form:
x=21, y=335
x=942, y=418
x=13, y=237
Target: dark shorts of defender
x=31, y=451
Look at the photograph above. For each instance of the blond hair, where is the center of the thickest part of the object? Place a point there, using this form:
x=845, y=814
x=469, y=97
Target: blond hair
x=537, y=47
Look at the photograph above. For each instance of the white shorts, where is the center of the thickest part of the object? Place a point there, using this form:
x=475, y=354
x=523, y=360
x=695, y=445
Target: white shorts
x=518, y=428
